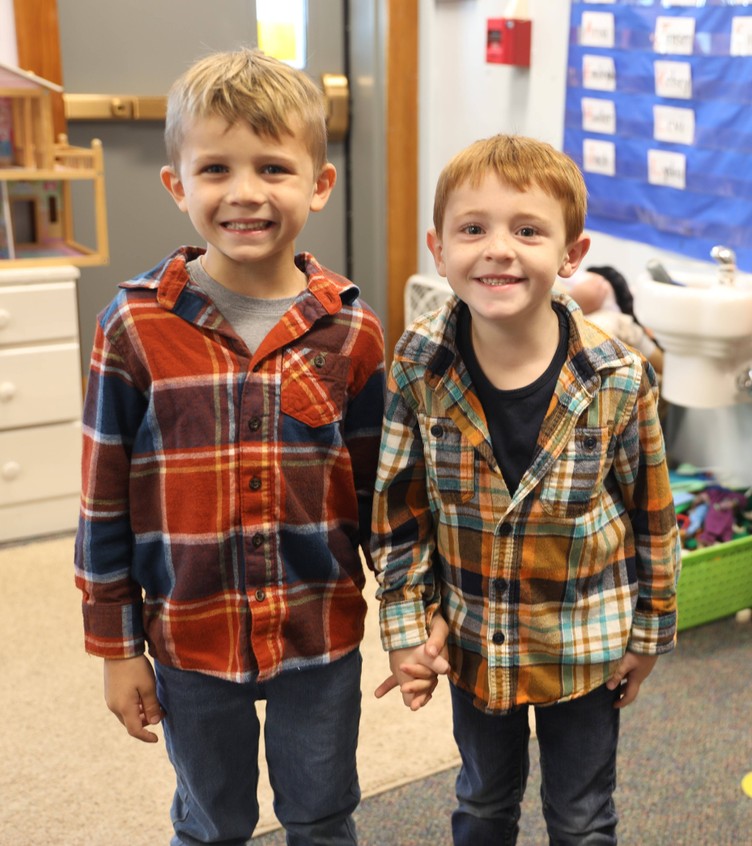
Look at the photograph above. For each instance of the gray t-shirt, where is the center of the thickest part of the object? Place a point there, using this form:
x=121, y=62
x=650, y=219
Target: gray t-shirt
x=252, y=318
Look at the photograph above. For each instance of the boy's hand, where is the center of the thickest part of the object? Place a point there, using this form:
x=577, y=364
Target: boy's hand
x=632, y=671
x=130, y=692
x=416, y=670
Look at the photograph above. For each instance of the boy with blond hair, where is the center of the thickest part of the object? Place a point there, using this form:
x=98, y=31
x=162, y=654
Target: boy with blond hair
x=523, y=495
x=231, y=436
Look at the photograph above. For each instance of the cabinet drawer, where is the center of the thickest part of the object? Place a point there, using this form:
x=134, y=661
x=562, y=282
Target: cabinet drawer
x=39, y=385
x=35, y=519
x=40, y=462
x=38, y=312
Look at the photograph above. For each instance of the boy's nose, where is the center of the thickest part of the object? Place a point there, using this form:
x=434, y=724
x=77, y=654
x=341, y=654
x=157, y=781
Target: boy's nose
x=498, y=246
x=246, y=188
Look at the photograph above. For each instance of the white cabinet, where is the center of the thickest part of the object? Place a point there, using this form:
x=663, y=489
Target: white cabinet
x=40, y=402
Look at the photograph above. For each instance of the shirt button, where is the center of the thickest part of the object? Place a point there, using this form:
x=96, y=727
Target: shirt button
x=260, y=595
x=590, y=443
x=500, y=585
x=498, y=638
x=319, y=360
x=437, y=431
x=257, y=539
x=505, y=530
x=254, y=424
x=255, y=483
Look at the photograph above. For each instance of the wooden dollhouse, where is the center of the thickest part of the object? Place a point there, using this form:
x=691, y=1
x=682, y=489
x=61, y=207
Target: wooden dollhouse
x=37, y=176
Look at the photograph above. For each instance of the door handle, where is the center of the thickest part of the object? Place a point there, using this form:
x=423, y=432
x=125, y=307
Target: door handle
x=117, y=107
x=337, y=97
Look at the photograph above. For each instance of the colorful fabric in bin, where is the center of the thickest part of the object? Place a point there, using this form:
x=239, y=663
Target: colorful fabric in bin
x=707, y=512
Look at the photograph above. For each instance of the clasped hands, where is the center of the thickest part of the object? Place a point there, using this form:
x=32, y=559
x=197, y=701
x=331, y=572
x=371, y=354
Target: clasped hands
x=416, y=670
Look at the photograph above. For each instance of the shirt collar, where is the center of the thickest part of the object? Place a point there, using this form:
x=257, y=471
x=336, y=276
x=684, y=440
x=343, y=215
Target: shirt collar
x=170, y=277
x=590, y=349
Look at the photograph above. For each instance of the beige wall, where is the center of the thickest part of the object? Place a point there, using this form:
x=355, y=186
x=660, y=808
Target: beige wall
x=8, y=53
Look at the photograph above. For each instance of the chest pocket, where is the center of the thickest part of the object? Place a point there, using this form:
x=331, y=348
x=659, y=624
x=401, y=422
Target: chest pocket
x=574, y=484
x=314, y=386
x=450, y=459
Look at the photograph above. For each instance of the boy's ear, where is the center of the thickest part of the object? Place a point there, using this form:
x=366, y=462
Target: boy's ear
x=437, y=251
x=576, y=252
x=323, y=186
x=174, y=185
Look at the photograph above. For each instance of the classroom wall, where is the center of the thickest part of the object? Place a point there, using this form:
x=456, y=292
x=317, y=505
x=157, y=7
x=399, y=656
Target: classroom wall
x=462, y=98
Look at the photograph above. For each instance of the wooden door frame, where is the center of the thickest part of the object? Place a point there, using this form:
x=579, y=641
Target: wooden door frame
x=38, y=44
x=401, y=159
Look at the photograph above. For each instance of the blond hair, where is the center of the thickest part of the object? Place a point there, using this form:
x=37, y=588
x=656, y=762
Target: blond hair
x=270, y=96
x=518, y=162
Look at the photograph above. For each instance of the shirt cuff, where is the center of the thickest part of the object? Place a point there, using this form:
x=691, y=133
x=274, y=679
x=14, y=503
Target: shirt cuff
x=403, y=624
x=651, y=634
x=113, y=631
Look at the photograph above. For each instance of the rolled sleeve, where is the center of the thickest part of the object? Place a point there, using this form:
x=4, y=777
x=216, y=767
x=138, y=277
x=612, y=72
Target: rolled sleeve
x=647, y=492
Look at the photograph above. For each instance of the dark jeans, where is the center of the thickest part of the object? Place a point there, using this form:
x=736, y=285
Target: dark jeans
x=577, y=741
x=311, y=730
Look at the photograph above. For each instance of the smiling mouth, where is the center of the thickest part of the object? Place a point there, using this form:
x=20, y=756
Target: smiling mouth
x=252, y=226
x=497, y=281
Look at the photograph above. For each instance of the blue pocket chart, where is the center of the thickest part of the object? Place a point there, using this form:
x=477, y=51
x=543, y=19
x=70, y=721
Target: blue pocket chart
x=658, y=117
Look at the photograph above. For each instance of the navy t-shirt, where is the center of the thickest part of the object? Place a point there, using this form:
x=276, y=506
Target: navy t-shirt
x=514, y=417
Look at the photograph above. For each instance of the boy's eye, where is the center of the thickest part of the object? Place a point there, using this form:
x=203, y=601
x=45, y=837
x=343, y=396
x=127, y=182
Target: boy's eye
x=214, y=168
x=273, y=169
x=528, y=231
x=472, y=229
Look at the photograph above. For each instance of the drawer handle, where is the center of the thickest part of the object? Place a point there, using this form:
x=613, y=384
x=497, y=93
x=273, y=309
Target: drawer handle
x=7, y=391
x=4, y=317
x=11, y=470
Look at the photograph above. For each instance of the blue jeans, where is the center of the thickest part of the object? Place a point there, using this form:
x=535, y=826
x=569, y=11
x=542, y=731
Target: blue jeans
x=577, y=741
x=311, y=731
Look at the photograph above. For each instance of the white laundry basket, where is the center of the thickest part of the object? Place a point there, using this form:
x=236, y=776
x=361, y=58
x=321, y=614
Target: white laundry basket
x=424, y=293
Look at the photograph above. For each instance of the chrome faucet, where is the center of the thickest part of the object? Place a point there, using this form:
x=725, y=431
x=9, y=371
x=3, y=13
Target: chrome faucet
x=744, y=380
x=726, y=259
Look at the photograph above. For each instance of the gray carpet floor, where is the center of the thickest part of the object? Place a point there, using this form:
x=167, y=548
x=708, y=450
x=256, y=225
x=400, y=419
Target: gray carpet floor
x=685, y=746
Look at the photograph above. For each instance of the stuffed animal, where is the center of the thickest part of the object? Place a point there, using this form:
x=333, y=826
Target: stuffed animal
x=724, y=506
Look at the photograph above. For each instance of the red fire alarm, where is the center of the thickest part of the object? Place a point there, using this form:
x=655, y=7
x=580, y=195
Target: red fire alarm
x=508, y=41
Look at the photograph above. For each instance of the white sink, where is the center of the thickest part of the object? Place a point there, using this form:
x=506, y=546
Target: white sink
x=705, y=329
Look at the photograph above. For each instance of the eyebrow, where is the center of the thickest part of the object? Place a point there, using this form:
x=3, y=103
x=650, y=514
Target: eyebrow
x=482, y=213
x=206, y=153
x=472, y=212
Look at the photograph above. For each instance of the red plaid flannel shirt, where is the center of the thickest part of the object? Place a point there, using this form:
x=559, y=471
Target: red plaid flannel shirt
x=225, y=494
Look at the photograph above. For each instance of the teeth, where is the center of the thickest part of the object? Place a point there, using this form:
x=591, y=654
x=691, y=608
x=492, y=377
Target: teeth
x=495, y=283
x=247, y=227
